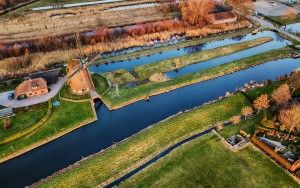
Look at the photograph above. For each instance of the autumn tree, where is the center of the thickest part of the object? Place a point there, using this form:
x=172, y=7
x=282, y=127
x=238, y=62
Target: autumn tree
x=290, y=118
x=262, y=102
x=247, y=111
x=197, y=12
x=294, y=81
x=282, y=94
x=245, y=7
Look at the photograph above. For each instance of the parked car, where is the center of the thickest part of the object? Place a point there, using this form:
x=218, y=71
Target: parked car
x=11, y=96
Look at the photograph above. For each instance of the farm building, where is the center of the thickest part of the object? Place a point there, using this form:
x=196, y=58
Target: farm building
x=223, y=17
x=30, y=88
x=80, y=82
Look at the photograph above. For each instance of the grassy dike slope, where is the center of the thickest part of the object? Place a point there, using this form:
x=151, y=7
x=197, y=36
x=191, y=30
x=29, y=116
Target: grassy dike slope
x=134, y=94
x=145, y=71
x=104, y=167
x=206, y=162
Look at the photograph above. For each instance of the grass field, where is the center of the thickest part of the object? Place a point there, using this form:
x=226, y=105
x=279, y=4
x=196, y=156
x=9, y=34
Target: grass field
x=205, y=162
x=74, y=114
x=100, y=83
x=110, y=164
x=23, y=119
x=133, y=94
x=145, y=71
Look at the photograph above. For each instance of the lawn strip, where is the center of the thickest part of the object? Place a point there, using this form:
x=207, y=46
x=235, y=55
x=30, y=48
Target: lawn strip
x=145, y=71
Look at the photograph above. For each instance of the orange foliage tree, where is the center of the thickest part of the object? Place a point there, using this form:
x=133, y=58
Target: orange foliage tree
x=290, y=118
x=262, y=102
x=197, y=12
x=282, y=94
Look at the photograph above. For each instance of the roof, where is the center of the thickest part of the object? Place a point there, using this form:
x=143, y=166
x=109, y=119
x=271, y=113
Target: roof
x=224, y=15
x=31, y=85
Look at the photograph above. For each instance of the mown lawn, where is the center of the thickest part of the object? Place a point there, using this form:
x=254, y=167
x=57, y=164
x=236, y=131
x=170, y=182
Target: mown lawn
x=24, y=118
x=145, y=71
x=100, y=83
x=205, y=162
x=66, y=116
x=133, y=94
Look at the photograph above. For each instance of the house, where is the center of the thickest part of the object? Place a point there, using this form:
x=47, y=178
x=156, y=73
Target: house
x=224, y=17
x=81, y=82
x=30, y=88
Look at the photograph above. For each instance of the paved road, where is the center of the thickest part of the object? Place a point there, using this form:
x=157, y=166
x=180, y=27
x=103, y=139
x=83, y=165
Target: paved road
x=268, y=25
x=54, y=89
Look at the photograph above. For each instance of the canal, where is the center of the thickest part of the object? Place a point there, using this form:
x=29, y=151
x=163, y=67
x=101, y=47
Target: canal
x=114, y=126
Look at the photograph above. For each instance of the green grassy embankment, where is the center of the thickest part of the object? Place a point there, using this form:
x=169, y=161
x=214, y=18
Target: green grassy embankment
x=145, y=71
x=140, y=92
x=106, y=166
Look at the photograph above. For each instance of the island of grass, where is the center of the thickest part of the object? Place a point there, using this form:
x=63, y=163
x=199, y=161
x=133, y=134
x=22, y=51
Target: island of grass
x=37, y=129
x=106, y=166
x=145, y=71
x=128, y=95
x=206, y=161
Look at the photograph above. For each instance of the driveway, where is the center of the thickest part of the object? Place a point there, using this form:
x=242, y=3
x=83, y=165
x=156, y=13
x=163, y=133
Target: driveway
x=54, y=89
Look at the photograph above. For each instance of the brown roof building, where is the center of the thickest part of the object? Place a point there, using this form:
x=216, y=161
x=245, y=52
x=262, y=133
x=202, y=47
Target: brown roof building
x=80, y=82
x=224, y=17
x=30, y=88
